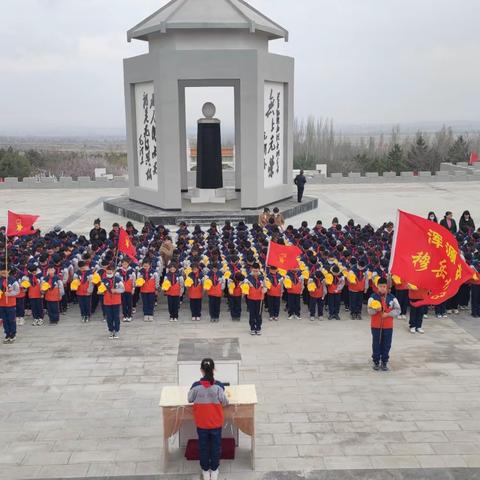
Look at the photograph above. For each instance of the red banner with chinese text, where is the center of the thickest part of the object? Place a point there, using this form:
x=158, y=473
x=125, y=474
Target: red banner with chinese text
x=426, y=255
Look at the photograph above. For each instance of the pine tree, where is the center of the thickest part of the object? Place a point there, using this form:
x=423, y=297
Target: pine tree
x=419, y=156
x=395, y=161
x=459, y=151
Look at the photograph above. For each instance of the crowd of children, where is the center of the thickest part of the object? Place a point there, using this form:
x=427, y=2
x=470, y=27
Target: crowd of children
x=339, y=265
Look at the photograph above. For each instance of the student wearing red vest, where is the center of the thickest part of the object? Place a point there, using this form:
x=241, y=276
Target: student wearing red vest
x=214, y=285
x=294, y=283
x=383, y=308
x=335, y=282
x=208, y=398
x=416, y=313
x=32, y=283
x=52, y=287
x=235, y=295
x=112, y=299
x=194, y=284
x=273, y=282
x=148, y=281
x=82, y=285
x=9, y=289
x=357, y=286
x=128, y=277
x=255, y=296
x=173, y=288
x=317, y=289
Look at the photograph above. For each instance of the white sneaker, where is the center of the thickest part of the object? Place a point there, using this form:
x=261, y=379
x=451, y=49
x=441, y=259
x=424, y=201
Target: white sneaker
x=35, y=322
x=175, y=320
x=425, y=316
x=445, y=316
x=214, y=475
x=439, y=316
x=456, y=312
x=420, y=330
x=206, y=475
x=290, y=317
x=412, y=330
x=40, y=322
x=172, y=320
x=21, y=321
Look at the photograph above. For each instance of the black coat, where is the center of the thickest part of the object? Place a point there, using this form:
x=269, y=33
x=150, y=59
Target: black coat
x=452, y=229
x=467, y=225
x=300, y=181
x=99, y=235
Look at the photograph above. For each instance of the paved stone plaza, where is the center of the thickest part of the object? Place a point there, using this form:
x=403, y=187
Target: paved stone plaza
x=75, y=209
x=75, y=404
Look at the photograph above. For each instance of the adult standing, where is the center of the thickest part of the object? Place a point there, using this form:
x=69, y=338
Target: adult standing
x=264, y=217
x=279, y=219
x=449, y=223
x=300, y=182
x=97, y=233
x=466, y=224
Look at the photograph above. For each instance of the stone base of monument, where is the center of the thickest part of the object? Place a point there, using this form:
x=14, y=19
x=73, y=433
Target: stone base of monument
x=203, y=195
x=204, y=213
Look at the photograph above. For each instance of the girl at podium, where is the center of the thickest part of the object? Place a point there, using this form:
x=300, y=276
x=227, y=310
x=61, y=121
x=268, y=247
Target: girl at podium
x=208, y=398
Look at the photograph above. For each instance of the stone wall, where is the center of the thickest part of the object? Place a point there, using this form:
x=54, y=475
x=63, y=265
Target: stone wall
x=448, y=173
x=63, y=182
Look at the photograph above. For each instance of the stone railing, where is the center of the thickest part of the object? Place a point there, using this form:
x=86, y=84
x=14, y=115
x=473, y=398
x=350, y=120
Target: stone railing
x=448, y=173
x=62, y=182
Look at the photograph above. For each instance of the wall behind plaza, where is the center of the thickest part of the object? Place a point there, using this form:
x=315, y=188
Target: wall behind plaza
x=448, y=173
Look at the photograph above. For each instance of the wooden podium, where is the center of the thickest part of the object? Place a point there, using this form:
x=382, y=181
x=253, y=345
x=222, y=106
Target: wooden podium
x=240, y=411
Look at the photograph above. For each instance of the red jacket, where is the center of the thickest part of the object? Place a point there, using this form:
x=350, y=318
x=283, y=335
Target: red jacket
x=208, y=401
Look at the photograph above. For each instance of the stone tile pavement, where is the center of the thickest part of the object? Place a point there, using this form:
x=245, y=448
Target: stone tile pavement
x=75, y=209
x=75, y=404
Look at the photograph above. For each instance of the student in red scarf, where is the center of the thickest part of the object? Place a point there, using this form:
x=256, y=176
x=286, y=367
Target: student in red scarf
x=112, y=300
x=32, y=282
x=194, y=284
x=52, y=287
x=214, y=285
x=82, y=284
x=173, y=288
x=148, y=281
x=9, y=289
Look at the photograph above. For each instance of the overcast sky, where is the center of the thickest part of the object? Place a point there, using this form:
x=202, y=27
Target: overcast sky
x=357, y=61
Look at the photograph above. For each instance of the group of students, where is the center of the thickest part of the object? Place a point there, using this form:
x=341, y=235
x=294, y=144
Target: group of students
x=339, y=265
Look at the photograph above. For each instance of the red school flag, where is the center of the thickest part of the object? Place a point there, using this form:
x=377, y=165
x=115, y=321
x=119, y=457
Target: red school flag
x=19, y=225
x=283, y=256
x=473, y=158
x=427, y=256
x=126, y=246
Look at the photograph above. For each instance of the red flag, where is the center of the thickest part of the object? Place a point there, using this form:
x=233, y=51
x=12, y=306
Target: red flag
x=473, y=158
x=126, y=246
x=19, y=225
x=426, y=255
x=283, y=256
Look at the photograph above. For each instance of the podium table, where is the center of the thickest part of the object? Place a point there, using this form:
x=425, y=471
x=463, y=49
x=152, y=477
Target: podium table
x=240, y=411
